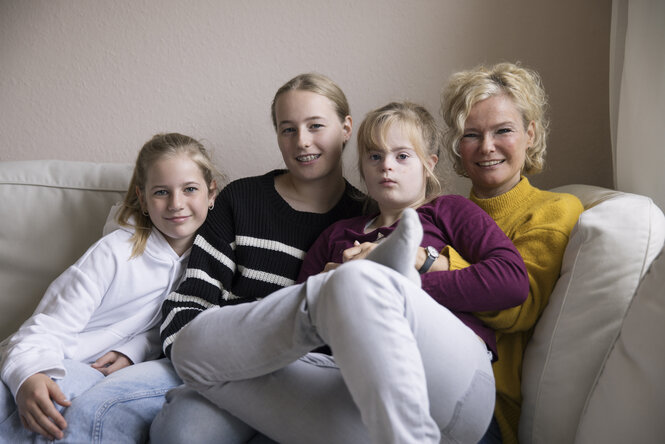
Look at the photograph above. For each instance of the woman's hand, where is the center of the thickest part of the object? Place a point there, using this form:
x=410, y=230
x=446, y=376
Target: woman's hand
x=358, y=251
x=111, y=362
x=34, y=400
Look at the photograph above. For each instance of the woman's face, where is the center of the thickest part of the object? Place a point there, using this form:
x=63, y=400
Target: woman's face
x=394, y=175
x=493, y=146
x=310, y=135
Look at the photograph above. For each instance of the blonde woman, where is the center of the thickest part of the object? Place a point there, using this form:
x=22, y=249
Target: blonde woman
x=496, y=135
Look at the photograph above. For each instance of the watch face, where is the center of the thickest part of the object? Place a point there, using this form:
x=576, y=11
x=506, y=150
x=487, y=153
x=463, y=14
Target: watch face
x=432, y=251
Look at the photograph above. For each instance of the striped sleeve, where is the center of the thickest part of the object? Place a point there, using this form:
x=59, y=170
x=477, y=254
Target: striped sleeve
x=209, y=274
x=251, y=245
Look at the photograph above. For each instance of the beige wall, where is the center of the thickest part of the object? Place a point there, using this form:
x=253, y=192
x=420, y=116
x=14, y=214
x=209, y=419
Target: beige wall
x=93, y=80
x=638, y=97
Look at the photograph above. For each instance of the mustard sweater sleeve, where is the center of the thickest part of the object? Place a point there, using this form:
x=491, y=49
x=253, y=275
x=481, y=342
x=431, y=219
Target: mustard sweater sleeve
x=541, y=236
x=455, y=260
x=542, y=251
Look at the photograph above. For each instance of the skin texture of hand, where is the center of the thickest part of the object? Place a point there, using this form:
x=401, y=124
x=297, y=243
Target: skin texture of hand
x=111, y=362
x=358, y=251
x=330, y=266
x=35, y=406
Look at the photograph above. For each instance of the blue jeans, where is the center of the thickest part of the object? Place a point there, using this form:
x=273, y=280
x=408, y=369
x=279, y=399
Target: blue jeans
x=405, y=369
x=117, y=408
x=189, y=417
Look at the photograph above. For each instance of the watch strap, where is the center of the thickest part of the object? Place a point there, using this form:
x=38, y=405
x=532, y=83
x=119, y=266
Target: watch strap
x=429, y=260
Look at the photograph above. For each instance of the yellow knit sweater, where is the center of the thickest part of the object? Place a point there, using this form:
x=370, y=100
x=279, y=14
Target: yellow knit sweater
x=539, y=224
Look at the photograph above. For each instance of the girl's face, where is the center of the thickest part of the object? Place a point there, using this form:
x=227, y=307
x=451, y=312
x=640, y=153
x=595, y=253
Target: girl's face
x=177, y=199
x=394, y=174
x=493, y=146
x=310, y=135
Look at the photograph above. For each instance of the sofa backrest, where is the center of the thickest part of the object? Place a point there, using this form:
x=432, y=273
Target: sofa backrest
x=51, y=212
x=610, y=249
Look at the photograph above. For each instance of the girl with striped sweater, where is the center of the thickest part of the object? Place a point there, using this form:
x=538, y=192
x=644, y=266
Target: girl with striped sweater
x=256, y=237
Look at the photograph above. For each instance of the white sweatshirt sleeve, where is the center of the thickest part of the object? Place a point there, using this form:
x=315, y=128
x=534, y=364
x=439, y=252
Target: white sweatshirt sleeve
x=49, y=335
x=142, y=347
x=41, y=342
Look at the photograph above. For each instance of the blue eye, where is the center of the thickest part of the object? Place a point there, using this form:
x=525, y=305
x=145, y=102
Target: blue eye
x=374, y=156
x=403, y=156
x=469, y=135
x=288, y=130
x=316, y=126
x=504, y=131
x=160, y=193
x=190, y=189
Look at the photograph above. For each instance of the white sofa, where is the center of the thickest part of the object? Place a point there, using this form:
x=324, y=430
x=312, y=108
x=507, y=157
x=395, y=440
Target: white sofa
x=592, y=372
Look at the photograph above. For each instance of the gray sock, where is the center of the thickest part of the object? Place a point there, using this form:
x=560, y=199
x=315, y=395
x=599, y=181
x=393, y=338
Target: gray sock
x=398, y=251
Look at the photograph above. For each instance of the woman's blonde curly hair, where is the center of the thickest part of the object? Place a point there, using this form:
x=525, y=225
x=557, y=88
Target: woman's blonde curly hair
x=522, y=85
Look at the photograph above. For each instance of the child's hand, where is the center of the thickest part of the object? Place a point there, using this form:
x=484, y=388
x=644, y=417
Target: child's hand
x=35, y=406
x=358, y=251
x=111, y=362
x=330, y=266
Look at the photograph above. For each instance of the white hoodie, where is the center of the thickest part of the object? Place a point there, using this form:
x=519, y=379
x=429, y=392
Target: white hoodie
x=104, y=302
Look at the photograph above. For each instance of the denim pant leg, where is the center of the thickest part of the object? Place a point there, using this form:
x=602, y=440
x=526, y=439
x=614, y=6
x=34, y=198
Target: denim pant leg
x=79, y=378
x=122, y=406
x=187, y=416
x=11, y=429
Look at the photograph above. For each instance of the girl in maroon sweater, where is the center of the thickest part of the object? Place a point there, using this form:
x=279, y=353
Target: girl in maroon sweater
x=410, y=364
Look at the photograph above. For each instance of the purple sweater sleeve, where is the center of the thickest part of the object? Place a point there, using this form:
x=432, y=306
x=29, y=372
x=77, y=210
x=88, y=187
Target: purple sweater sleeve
x=318, y=255
x=332, y=242
x=497, y=278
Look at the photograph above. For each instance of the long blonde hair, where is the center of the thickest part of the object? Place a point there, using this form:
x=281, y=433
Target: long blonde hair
x=161, y=145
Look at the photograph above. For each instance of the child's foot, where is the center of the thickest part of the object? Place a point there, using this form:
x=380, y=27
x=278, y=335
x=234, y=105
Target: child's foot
x=398, y=251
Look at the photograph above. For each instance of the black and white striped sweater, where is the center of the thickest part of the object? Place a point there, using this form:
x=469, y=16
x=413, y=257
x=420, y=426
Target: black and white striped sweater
x=251, y=244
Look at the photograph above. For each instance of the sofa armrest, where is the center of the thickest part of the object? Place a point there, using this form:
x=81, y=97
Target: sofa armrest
x=609, y=251
x=51, y=212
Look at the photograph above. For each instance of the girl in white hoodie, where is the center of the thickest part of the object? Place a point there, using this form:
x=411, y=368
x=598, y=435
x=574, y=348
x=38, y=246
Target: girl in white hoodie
x=72, y=370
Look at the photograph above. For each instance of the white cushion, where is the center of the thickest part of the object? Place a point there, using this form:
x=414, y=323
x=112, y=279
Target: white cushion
x=611, y=247
x=51, y=212
x=628, y=402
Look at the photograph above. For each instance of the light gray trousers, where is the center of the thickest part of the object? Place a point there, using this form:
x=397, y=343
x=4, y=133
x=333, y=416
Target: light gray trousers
x=405, y=369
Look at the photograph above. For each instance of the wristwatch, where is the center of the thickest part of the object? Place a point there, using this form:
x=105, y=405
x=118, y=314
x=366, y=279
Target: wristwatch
x=432, y=254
